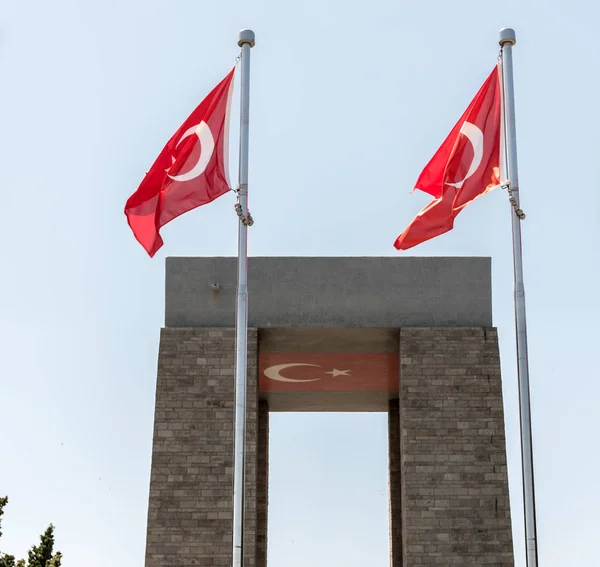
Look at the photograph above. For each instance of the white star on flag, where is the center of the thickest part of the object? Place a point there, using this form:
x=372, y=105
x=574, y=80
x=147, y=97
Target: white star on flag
x=335, y=372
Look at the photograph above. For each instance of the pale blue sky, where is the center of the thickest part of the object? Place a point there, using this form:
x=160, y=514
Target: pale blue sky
x=349, y=100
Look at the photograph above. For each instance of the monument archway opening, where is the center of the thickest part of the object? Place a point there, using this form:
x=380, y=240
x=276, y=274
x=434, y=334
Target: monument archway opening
x=328, y=489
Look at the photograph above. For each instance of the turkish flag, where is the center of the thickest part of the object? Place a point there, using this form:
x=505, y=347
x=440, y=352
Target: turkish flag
x=466, y=166
x=334, y=372
x=190, y=171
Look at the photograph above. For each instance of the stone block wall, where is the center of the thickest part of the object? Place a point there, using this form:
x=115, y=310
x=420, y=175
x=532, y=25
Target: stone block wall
x=190, y=508
x=395, y=484
x=262, y=484
x=455, y=500
x=449, y=501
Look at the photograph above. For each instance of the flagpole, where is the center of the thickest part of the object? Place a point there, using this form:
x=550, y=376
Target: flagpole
x=507, y=40
x=246, y=42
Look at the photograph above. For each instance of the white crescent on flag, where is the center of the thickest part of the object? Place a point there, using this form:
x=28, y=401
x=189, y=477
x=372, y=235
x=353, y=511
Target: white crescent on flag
x=207, y=147
x=475, y=136
x=273, y=372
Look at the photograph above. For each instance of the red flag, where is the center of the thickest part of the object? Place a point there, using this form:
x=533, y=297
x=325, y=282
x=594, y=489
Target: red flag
x=341, y=372
x=466, y=166
x=191, y=170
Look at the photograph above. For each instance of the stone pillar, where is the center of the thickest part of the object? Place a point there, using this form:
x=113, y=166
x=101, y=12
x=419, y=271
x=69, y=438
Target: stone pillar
x=262, y=484
x=395, y=483
x=190, y=508
x=455, y=505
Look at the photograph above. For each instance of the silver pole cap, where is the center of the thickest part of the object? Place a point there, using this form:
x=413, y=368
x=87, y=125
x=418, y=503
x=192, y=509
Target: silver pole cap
x=507, y=35
x=246, y=36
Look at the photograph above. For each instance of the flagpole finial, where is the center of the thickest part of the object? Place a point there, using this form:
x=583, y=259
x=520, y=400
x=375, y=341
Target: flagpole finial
x=246, y=36
x=507, y=35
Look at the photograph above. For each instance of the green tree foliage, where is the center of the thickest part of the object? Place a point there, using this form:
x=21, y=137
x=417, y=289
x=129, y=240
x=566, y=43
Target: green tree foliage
x=3, y=502
x=41, y=555
x=9, y=561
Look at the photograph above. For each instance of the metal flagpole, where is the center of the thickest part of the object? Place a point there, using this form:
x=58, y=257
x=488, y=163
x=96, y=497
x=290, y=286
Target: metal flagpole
x=507, y=40
x=246, y=42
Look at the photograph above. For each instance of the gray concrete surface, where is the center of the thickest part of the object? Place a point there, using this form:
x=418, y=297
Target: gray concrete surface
x=332, y=291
